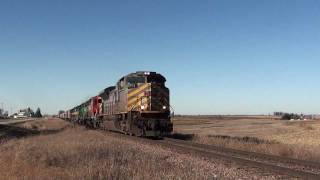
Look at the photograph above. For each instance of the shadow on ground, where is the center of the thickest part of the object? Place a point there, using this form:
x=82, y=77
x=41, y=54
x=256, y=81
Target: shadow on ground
x=9, y=132
x=181, y=136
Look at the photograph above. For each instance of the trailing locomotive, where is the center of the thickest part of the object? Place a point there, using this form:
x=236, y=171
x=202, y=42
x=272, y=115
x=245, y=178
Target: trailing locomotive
x=138, y=105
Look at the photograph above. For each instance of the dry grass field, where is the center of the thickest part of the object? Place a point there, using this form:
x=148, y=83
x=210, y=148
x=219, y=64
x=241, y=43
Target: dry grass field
x=55, y=149
x=297, y=139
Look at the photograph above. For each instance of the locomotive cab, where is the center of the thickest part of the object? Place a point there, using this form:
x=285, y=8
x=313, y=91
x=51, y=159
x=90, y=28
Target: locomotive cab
x=148, y=102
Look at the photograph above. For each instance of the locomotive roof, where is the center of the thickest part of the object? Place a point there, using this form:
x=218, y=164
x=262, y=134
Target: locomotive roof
x=144, y=73
x=105, y=93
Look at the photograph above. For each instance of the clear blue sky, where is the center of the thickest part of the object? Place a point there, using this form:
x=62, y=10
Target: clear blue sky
x=219, y=57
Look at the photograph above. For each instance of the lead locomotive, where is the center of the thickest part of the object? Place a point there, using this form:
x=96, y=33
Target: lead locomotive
x=138, y=105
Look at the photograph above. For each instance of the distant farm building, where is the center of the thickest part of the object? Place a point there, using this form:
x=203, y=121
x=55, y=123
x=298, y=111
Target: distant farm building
x=23, y=113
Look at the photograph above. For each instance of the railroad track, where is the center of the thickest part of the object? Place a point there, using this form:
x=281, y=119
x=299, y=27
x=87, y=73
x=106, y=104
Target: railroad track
x=287, y=167
x=276, y=164
x=13, y=121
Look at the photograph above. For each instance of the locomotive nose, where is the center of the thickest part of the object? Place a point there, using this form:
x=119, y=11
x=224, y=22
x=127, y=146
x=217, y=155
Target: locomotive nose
x=159, y=98
x=149, y=97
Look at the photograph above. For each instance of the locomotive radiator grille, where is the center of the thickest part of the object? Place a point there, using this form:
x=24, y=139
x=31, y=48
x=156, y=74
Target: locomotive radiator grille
x=160, y=97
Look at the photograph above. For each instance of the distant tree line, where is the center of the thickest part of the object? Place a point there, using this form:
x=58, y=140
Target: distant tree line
x=288, y=116
x=278, y=113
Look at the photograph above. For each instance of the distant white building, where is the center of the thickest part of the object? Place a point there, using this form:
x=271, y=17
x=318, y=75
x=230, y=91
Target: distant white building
x=20, y=115
x=23, y=113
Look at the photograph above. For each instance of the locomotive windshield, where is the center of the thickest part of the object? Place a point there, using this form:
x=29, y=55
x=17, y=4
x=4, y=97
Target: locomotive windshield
x=135, y=80
x=132, y=82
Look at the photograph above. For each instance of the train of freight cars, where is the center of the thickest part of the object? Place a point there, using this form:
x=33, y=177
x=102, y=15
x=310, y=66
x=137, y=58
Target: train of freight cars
x=138, y=105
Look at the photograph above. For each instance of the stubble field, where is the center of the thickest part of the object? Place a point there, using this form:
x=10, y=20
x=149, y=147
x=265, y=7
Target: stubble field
x=264, y=134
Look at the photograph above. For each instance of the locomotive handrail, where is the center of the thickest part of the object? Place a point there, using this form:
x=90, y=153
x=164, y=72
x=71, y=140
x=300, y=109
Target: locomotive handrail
x=172, y=116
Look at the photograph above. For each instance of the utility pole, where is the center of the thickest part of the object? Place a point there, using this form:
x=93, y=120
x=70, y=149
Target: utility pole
x=1, y=109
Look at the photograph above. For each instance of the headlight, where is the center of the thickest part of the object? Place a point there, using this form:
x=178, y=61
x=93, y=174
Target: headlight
x=142, y=107
x=164, y=107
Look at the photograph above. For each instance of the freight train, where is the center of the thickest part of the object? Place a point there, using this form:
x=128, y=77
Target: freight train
x=137, y=105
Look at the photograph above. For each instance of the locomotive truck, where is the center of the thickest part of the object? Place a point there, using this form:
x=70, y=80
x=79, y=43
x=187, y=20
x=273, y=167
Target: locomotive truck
x=137, y=105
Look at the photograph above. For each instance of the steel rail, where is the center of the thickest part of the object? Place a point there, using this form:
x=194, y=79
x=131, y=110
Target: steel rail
x=250, y=154
x=214, y=152
x=207, y=151
x=13, y=122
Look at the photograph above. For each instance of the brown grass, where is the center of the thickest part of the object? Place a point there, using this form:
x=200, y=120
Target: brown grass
x=54, y=149
x=306, y=126
x=77, y=153
x=295, y=139
x=43, y=124
x=260, y=146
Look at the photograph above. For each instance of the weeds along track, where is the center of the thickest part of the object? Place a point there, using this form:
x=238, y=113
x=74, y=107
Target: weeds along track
x=262, y=163
x=277, y=164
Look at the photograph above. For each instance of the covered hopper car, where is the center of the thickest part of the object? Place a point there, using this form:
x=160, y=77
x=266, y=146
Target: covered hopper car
x=138, y=105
